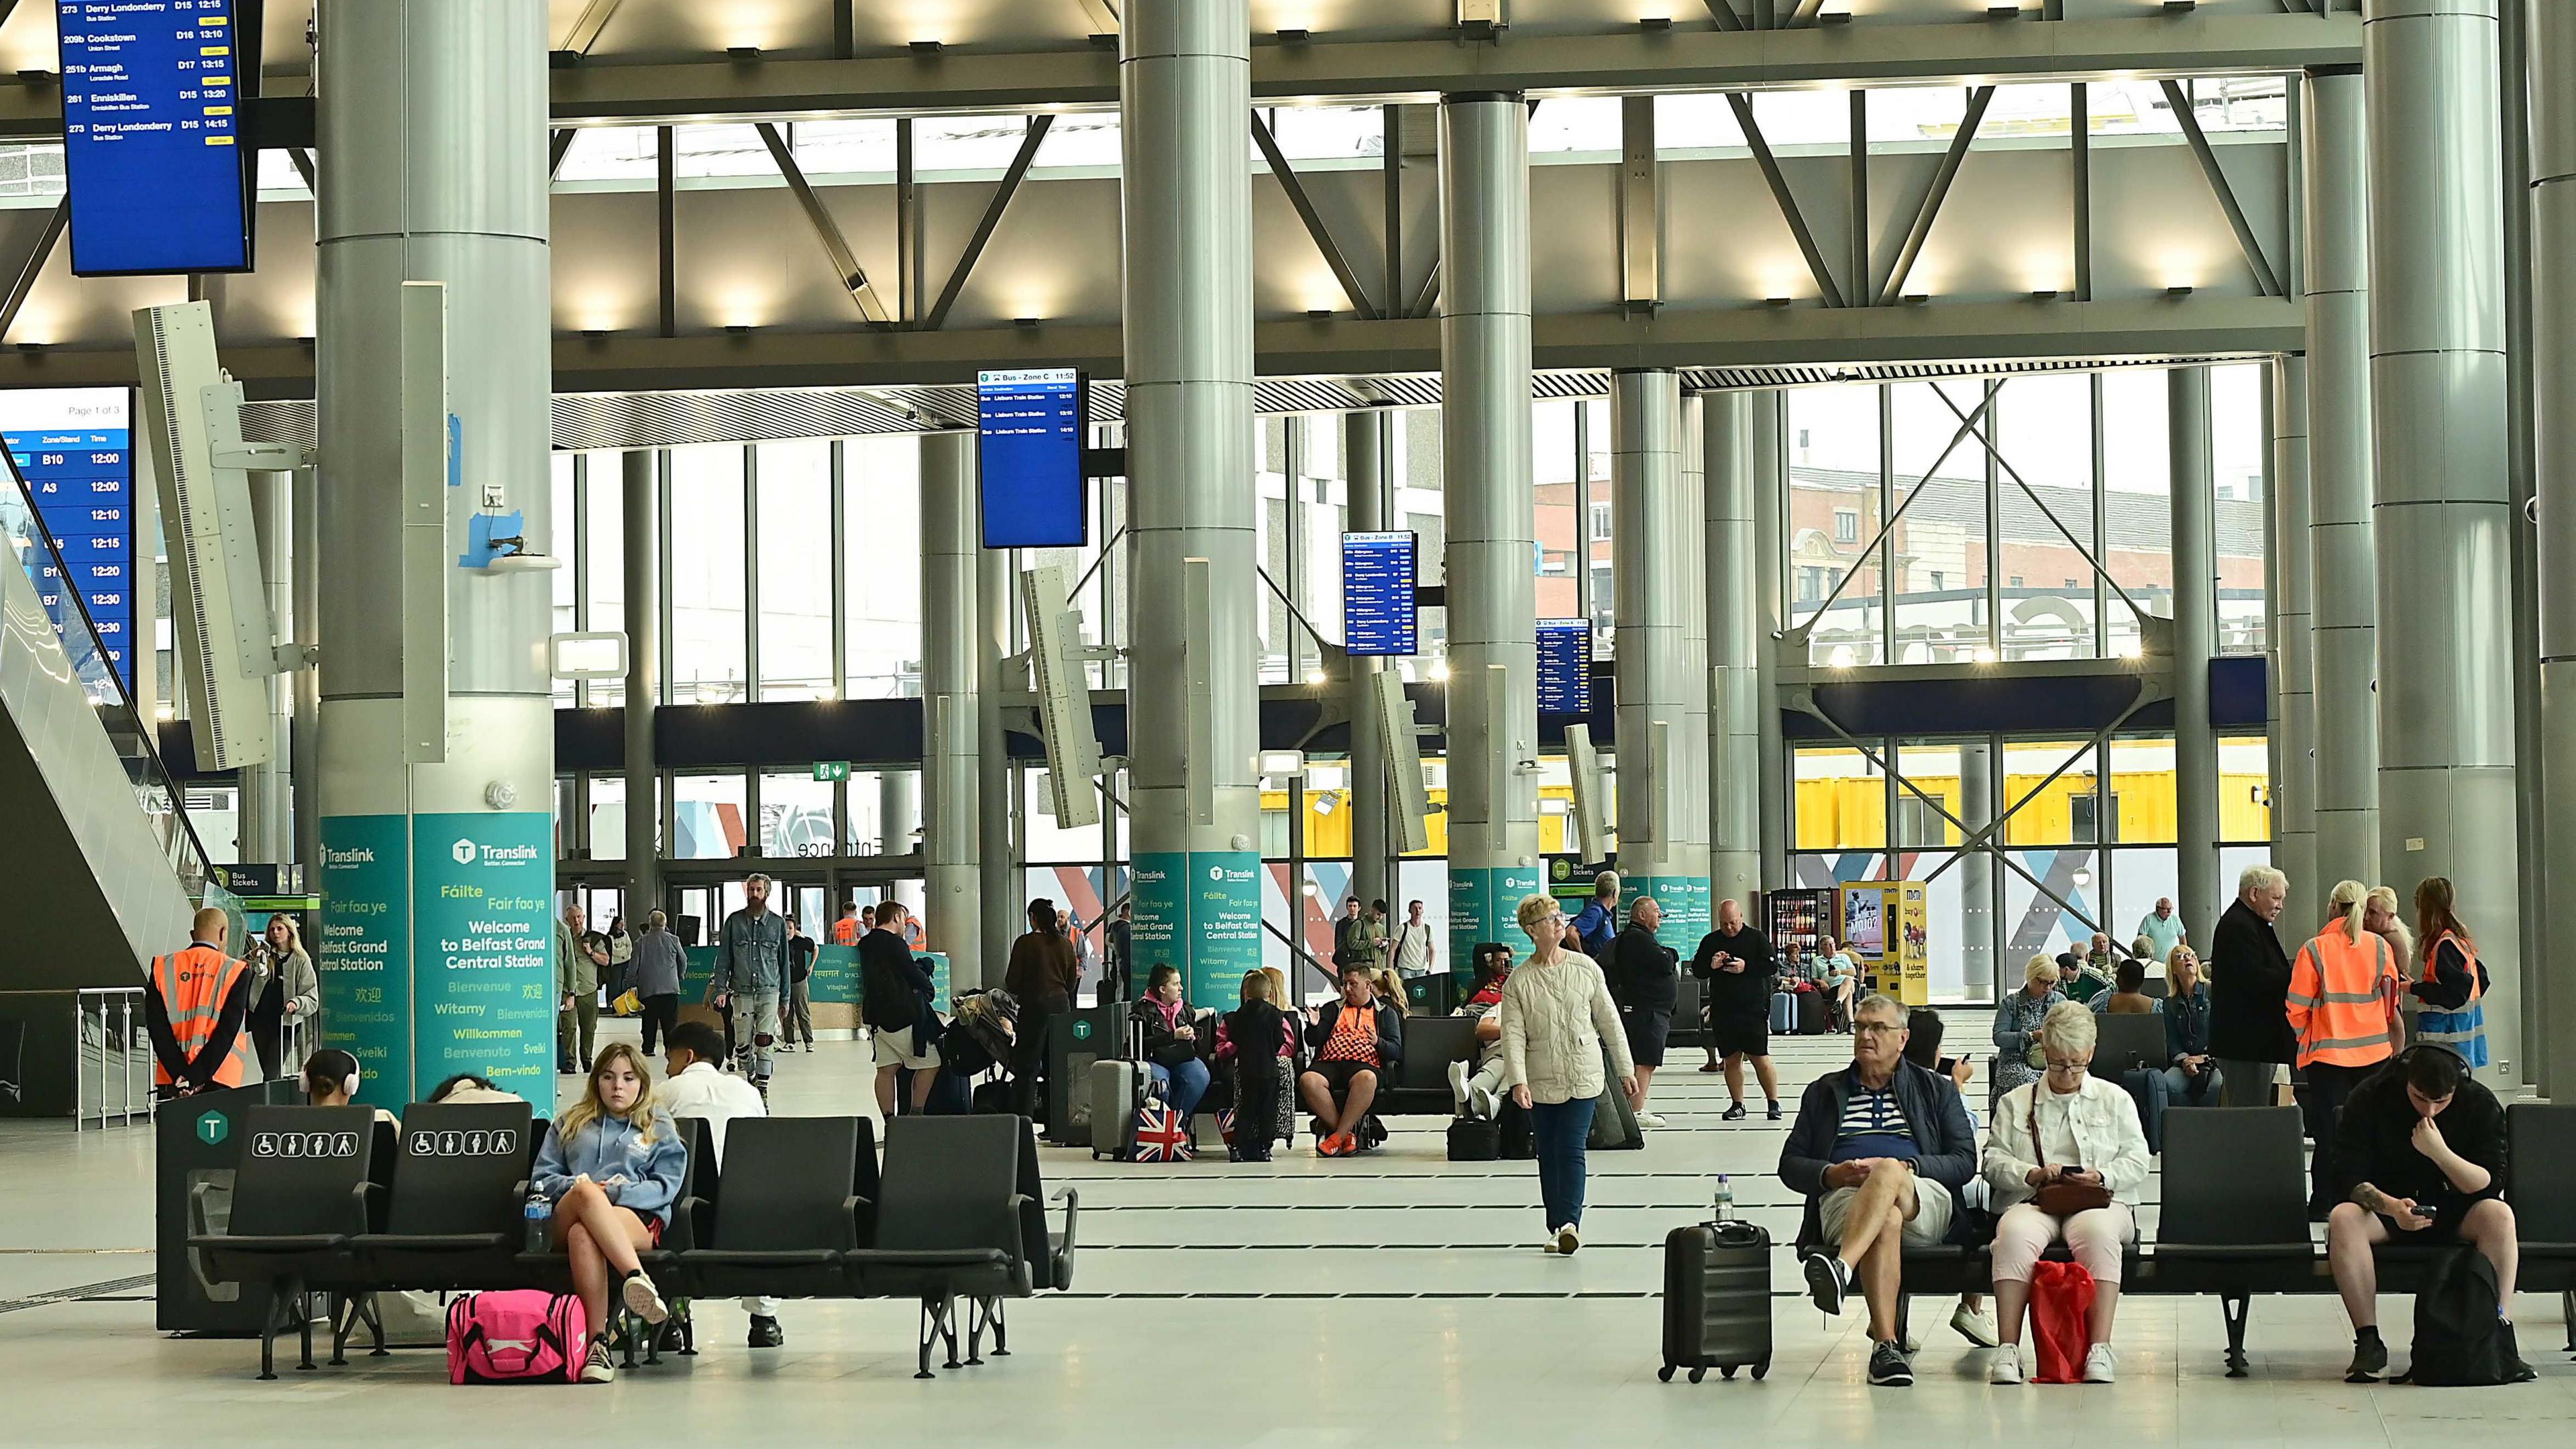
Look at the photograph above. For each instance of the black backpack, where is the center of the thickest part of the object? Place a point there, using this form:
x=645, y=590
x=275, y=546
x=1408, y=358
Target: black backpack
x=2459, y=1339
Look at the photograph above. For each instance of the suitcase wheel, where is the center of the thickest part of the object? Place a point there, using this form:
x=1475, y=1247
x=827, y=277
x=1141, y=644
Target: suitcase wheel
x=1760, y=1367
x=1698, y=1372
x=1665, y=1373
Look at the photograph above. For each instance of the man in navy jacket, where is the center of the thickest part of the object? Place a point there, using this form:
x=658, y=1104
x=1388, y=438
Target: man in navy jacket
x=1881, y=1152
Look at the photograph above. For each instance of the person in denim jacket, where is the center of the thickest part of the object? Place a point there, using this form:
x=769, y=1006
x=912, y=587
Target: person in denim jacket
x=611, y=1166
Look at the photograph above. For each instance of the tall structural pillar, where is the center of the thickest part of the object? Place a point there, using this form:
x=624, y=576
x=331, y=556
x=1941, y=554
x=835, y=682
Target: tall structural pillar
x=1979, y=907
x=2552, y=67
x=2344, y=578
x=1734, y=684
x=267, y=830
x=999, y=884
x=1485, y=472
x=1770, y=536
x=1370, y=490
x=2289, y=572
x=1184, y=87
x=1652, y=559
x=642, y=537
x=2444, y=515
x=438, y=847
x=1690, y=784
x=952, y=703
x=2197, y=892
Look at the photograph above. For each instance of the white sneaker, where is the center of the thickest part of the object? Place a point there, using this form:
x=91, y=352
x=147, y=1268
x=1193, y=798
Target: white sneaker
x=1458, y=1084
x=1483, y=1104
x=1649, y=1121
x=2101, y=1366
x=1975, y=1325
x=644, y=1300
x=1549, y=1244
x=2005, y=1366
x=1567, y=1240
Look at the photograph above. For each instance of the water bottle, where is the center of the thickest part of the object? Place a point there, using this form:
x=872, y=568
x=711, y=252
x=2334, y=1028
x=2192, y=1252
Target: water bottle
x=540, y=1214
x=1724, y=1210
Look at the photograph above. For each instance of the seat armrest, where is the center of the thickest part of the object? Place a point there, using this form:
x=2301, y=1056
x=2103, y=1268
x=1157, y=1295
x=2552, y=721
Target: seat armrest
x=367, y=1204
x=1072, y=1200
x=200, y=1224
x=858, y=1209
x=692, y=1221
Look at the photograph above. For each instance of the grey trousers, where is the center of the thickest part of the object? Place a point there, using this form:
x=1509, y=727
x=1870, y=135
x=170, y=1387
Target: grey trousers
x=755, y=1032
x=2245, y=1084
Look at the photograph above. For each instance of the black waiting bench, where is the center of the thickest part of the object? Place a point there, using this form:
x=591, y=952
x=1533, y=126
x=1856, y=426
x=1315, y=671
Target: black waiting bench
x=332, y=1201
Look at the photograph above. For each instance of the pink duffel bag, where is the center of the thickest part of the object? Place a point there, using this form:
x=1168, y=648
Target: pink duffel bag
x=516, y=1335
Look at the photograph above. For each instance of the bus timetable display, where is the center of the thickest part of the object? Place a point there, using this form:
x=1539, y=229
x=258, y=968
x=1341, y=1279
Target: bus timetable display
x=1565, y=666
x=157, y=178
x=1379, y=617
x=1029, y=457
x=83, y=483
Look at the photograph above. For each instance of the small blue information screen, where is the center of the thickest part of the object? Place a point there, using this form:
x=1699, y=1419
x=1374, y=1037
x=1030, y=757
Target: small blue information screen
x=151, y=136
x=1379, y=617
x=1564, y=666
x=74, y=449
x=1029, y=457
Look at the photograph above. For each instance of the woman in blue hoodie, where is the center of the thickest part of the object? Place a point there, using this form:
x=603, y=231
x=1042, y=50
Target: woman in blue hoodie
x=611, y=1166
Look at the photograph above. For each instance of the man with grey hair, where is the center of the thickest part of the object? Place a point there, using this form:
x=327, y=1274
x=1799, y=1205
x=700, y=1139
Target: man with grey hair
x=2249, y=989
x=751, y=978
x=659, y=965
x=1881, y=1152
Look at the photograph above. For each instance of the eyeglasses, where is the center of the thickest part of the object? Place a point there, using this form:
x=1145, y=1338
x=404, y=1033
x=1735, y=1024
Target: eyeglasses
x=1875, y=1028
x=2055, y=1065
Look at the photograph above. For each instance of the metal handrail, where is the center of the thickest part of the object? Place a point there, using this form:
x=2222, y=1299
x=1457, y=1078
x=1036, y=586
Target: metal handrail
x=113, y=1009
x=188, y=858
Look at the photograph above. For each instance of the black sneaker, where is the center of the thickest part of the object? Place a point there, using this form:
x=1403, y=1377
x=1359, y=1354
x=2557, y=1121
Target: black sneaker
x=1775, y=1112
x=599, y=1368
x=2515, y=1370
x=2369, y=1360
x=1827, y=1281
x=765, y=1332
x=1888, y=1368
x=1734, y=1113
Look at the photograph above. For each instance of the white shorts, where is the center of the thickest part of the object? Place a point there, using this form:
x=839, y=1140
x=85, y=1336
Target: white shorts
x=894, y=1049
x=1929, y=1226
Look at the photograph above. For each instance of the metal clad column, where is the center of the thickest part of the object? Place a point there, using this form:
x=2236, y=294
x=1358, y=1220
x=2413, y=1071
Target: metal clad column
x=1734, y=677
x=2553, y=365
x=2344, y=598
x=1651, y=557
x=642, y=537
x=267, y=831
x=1770, y=460
x=1689, y=798
x=1978, y=907
x=952, y=704
x=2195, y=635
x=1485, y=467
x=998, y=879
x=2288, y=570
x=1371, y=497
x=1185, y=87
x=2444, y=513
x=437, y=878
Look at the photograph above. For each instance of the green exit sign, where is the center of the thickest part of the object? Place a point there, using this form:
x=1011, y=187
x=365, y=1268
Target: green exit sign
x=832, y=770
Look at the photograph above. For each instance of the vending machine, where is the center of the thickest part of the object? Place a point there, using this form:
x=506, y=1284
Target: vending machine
x=1886, y=929
x=1798, y=919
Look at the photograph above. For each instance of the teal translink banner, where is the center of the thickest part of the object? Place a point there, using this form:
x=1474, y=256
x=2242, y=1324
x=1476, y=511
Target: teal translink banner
x=364, y=955
x=1200, y=911
x=483, y=992
x=1484, y=906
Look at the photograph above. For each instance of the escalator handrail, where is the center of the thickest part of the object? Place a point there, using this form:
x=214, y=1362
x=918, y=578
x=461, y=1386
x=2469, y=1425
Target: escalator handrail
x=143, y=729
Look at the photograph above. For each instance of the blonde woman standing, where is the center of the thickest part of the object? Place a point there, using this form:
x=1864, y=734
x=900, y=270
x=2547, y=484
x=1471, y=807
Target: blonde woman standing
x=1558, y=1020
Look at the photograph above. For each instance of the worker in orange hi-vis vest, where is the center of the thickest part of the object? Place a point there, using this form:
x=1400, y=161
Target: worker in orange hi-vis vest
x=2342, y=990
x=846, y=930
x=195, y=1007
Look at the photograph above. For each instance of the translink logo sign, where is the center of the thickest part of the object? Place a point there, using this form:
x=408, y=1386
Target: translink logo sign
x=467, y=852
x=464, y=852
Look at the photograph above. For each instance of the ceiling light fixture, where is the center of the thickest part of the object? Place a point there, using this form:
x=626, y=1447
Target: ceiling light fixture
x=928, y=47
x=742, y=52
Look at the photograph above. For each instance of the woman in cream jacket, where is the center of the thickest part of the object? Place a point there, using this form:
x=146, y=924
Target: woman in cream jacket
x=1557, y=1020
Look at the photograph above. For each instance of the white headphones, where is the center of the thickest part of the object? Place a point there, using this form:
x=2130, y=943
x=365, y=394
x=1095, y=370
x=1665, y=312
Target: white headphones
x=349, y=1085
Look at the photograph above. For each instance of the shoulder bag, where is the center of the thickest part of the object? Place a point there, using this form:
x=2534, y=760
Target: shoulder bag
x=2059, y=1198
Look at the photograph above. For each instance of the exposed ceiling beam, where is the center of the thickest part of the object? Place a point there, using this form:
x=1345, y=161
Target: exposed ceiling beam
x=33, y=266
x=1787, y=200
x=992, y=218
x=1103, y=15
x=585, y=30
x=2252, y=245
x=1641, y=266
x=1626, y=61
x=2198, y=326
x=1930, y=211
x=836, y=247
x=1723, y=12
x=1322, y=234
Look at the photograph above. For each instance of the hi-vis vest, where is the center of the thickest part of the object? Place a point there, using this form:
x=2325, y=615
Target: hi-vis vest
x=193, y=984
x=846, y=932
x=2463, y=1030
x=2340, y=992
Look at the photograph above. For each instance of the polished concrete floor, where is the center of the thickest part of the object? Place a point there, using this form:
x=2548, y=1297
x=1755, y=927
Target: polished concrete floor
x=1390, y=1300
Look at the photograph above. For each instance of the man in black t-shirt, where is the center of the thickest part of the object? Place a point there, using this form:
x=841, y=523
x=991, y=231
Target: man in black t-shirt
x=1735, y=962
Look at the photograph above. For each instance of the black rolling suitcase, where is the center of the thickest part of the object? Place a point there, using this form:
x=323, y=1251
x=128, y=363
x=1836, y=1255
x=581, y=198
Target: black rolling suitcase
x=1717, y=1299
x=1814, y=1018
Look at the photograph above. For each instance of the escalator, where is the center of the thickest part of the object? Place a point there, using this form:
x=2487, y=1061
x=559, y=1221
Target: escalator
x=101, y=865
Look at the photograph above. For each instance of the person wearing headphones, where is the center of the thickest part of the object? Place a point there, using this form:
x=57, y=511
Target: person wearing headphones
x=331, y=1079
x=2419, y=1159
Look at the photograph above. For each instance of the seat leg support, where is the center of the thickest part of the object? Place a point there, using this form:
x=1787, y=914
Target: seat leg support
x=304, y=1325
x=344, y=1321
x=2235, y=1308
x=932, y=1311
x=375, y=1320
x=269, y=1323
x=974, y=1332
x=948, y=1332
x=1001, y=1333
x=2567, y=1307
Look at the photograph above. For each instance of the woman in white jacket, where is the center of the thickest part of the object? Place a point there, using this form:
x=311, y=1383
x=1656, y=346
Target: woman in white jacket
x=1558, y=1019
x=2070, y=1131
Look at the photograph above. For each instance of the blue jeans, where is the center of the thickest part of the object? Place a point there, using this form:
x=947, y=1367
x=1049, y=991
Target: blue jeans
x=1562, y=1129
x=1182, y=1086
x=2178, y=1086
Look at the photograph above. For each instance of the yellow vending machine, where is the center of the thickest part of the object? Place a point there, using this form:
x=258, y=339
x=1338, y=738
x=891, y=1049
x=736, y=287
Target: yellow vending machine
x=1886, y=930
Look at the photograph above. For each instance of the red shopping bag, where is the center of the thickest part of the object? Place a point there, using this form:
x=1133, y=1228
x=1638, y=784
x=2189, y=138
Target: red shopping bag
x=2061, y=1309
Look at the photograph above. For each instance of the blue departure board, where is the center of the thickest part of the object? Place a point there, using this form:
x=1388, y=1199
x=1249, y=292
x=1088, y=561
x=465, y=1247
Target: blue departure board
x=1379, y=617
x=151, y=136
x=74, y=449
x=1564, y=666
x=1029, y=457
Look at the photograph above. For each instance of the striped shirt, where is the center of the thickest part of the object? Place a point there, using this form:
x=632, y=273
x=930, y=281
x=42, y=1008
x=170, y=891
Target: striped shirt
x=1873, y=1126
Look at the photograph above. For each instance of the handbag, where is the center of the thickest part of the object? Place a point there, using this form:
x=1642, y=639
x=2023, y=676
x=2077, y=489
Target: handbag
x=2061, y=1309
x=2059, y=1198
